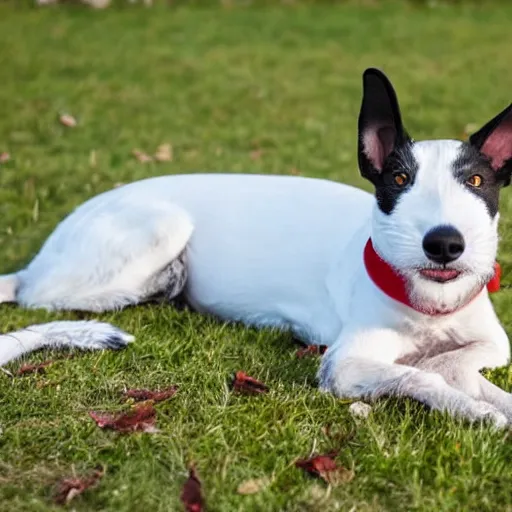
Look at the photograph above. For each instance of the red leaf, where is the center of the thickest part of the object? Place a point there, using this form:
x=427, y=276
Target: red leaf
x=39, y=367
x=311, y=350
x=146, y=394
x=69, y=488
x=33, y=368
x=244, y=383
x=140, y=419
x=191, y=493
x=325, y=467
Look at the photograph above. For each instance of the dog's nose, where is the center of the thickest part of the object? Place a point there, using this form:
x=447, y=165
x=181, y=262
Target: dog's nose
x=443, y=244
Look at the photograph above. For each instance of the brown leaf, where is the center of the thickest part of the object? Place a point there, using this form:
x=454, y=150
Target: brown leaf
x=243, y=383
x=141, y=419
x=311, y=350
x=325, y=467
x=252, y=486
x=39, y=367
x=191, y=493
x=164, y=153
x=69, y=488
x=4, y=157
x=256, y=154
x=141, y=156
x=146, y=394
x=68, y=120
x=295, y=172
x=34, y=368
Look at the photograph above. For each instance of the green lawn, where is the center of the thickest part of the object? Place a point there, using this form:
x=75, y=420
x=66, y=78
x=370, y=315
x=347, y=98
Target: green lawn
x=274, y=90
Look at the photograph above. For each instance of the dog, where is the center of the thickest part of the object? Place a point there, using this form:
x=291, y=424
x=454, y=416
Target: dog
x=393, y=283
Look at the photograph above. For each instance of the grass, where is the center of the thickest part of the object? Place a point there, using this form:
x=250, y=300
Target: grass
x=272, y=89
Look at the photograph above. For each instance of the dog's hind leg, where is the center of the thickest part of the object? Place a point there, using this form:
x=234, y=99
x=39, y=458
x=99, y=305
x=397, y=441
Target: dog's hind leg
x=87, y=335
x=99, y=261
x=168, y=283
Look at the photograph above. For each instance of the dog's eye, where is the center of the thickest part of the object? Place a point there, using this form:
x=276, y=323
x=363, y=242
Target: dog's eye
x=475, y=181
x=401, y=178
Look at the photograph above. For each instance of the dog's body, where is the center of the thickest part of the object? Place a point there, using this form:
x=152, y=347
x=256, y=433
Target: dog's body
x=287, y=252
x=265, y=250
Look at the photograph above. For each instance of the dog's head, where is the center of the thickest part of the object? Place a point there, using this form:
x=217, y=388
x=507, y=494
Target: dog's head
x=436, y=214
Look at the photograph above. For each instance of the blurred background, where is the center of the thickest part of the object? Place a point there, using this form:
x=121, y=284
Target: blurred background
x=239, y=86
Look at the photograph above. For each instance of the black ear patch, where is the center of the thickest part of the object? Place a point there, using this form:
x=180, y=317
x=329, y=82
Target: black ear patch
x=380, y=124
x=384, y=148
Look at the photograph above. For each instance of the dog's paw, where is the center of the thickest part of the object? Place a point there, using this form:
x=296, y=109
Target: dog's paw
x=488, y=413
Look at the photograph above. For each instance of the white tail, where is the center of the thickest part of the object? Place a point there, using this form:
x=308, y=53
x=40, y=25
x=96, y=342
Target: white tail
x=88, y=335
x=8, y=286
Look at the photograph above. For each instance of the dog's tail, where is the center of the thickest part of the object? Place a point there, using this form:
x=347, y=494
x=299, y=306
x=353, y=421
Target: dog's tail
x=8, y=286
x=86, y=335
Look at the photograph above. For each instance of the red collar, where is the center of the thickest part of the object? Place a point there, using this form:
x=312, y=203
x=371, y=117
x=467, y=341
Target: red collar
x=393, y=284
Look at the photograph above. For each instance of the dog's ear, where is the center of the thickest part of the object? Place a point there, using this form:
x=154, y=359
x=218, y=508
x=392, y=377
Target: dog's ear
x=380, y=123
x=494, y=140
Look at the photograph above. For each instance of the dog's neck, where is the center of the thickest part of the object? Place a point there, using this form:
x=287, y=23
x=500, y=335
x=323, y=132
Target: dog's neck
x=385, y=277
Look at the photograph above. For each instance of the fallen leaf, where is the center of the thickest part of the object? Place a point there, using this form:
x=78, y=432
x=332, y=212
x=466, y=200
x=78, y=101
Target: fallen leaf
x=164, y=153
x=141, y=156
x=191, y=493
x=39, y=367
x=140, y=419
x=34, y=368
x=4, y=157
x=256, y=154
x=360, y=409
x=325, y=467
x=311, y=350
x=69, y=488
x=68, y=120
x=146, y=394
x=244, y=383
x=252, y=486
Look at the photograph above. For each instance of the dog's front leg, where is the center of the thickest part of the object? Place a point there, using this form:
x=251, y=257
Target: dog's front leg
x=460, y=369
x=356, y=376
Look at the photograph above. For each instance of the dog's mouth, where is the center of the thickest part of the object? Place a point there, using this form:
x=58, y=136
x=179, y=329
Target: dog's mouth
x=439, y=275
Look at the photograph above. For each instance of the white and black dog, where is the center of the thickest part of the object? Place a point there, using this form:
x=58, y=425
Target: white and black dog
x=394, y=284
